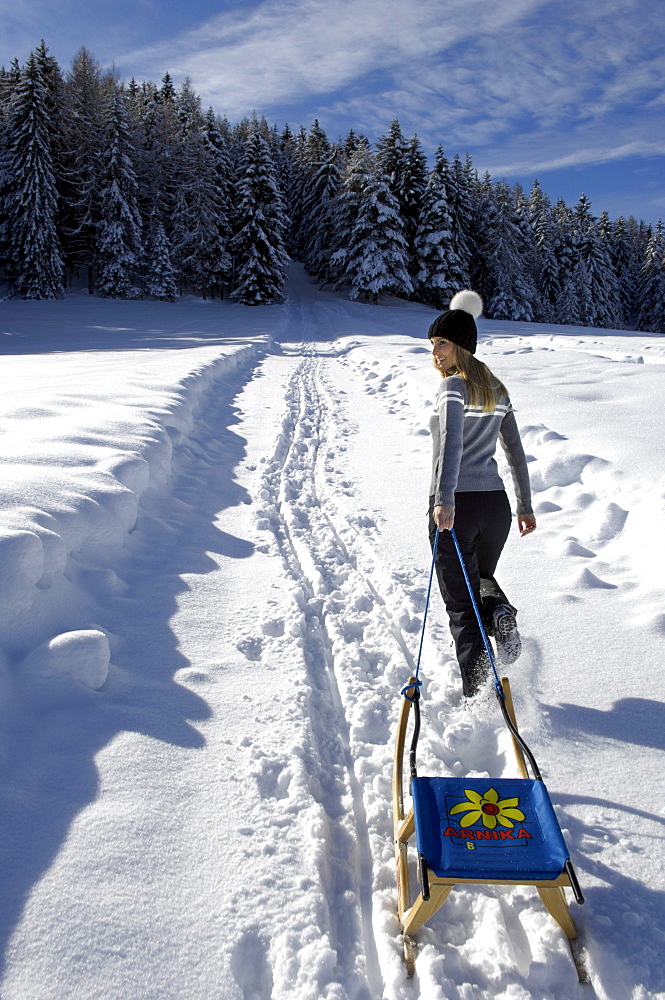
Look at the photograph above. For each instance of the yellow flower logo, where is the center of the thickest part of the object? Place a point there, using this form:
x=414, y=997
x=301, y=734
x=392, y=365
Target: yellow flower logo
x=489, y=808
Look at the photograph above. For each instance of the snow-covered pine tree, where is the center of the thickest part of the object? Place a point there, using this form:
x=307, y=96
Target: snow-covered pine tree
x=199, y=248
x=352, y=142
x=582, y=221
x=9, y=81
x=138, y=99
x=463, y=200
x=167, y=92
x=511, y=288
x=346, y=206
x=258, y=246
x=349, y=145
x=598, y=298
x=319, y=221
x=405, y=166
x=440, y=273
x=391, y=156
x=310, y=151
x=410, y=196
x=34, y=259
x=572, y=303
x=529, y=252
x=119, y=227
x=548, y=273
x=155, y=138
x=81, y=140
x=483, y=214
x=621, y=257
x=316, y=148
x=160, y=277
x=136, y=102
x=319, y=182
x=245, y=129
x=566, y=308
x=612, y=312
x=539, y=205
x=651, y=308
x=547, y=270
x=290, y=174
x=581, y=283
x=216, y=139
x=55, y=99
x=375, y=257
x=628, y=255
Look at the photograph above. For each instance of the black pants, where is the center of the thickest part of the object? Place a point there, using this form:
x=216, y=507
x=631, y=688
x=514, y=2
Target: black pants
x=482, y=523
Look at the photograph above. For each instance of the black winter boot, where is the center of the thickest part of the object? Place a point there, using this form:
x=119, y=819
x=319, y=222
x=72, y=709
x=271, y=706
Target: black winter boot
x=506, y=636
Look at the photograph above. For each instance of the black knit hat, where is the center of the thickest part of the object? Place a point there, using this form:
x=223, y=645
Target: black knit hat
x=458, y=323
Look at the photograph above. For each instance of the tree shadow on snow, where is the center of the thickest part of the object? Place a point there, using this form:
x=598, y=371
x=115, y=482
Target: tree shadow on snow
x=623, y=915
x=53, y=728
x=80, y=323
x=631, y=720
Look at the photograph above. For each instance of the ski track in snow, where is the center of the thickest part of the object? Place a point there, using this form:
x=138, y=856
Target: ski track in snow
x=326, y=640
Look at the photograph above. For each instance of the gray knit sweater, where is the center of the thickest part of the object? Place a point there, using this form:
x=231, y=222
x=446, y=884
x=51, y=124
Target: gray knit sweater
x=464, y=443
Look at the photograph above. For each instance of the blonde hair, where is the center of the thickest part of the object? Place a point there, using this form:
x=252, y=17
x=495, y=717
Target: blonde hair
x=484, y=389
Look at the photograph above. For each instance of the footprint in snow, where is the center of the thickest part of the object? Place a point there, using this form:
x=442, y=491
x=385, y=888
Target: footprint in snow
x=539, y=434
x=558, y=471
x=580, y=500
x=369, y=720
x=273, y=778
x=251, y=647
x=573, y=548
x=586, y=580
x=363, y=521
x=361, y=602
x=546, y=507
x=274, y=627
x=408, y=623
x=354, y=631
x=250, y=967
x=603, y=523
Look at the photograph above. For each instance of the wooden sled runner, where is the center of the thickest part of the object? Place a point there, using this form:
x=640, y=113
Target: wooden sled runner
x=470, y=831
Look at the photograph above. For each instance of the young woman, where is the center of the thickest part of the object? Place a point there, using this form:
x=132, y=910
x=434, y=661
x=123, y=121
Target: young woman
x=473, y=411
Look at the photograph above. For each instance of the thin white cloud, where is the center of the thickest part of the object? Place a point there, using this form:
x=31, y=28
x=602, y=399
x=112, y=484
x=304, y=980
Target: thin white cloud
x=278, y=52
x=580, y=156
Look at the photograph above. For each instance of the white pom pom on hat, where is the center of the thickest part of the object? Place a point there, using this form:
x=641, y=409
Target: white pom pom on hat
x=468, y=301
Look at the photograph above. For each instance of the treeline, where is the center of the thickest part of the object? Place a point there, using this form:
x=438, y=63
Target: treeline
x=138, y=189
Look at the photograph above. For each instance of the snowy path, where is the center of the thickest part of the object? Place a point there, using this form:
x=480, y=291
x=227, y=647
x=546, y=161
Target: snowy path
x=215, y=822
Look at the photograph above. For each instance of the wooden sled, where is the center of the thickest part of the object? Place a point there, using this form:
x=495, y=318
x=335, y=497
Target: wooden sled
x=470, y=831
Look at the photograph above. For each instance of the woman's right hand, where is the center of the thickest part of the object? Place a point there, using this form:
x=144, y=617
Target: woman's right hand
x=444, y=516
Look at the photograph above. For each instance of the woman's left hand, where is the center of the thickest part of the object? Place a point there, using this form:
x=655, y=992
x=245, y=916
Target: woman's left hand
x=444, y=516
x=526, y=523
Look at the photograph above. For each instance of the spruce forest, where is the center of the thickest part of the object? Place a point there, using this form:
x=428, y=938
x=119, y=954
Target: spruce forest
x=137, y=191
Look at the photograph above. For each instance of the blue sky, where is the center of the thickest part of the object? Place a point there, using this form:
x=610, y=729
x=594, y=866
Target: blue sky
x=569, y=91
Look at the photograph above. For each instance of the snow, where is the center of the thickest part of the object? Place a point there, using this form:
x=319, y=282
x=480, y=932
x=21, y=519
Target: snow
x=214, y=564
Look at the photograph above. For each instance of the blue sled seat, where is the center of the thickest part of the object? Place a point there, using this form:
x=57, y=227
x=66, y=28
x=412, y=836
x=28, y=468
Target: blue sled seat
x=488, y=828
